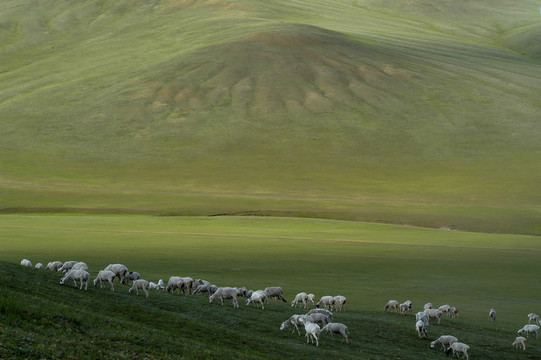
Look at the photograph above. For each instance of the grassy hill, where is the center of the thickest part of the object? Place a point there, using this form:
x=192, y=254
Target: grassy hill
x=419, y=113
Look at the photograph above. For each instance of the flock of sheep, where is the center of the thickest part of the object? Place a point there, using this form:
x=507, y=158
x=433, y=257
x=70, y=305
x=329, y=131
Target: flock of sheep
x=77, y=271
x=450, y=343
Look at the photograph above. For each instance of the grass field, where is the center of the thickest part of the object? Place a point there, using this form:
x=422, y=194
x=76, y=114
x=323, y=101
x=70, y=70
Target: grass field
x=367, y=263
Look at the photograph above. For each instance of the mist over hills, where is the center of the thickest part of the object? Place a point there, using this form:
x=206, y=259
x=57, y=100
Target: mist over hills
x=326, y=102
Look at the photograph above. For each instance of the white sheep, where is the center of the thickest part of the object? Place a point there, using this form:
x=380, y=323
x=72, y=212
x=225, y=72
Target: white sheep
x=492, y=314
x=453, y=312
x=300, y=298
x=391, y=304
x=139, y=284
x=433, y=313
x=445, y=309
x=80, y=266
x=226, y=293
x=336, y=328
x=311, y=298
x=67, y=266
x=405, y=307
x=258, y=296
x=422, y=317
x=276, y=292
x=520, y=341
x=421, y=329
x=133, y=275
x=120, y=270
x=81, y=275
x=531, y=317
x=105, y=275
x=325, y=312
x=312, y=330
x=158, y=286
x=203, y=289
x=294, y=321
x=529, y=329
x=318, y=317
x=175, y=282
x=54, y=265
x=427, y=306
x=445, y=341
x=339, y=303
x=26, y=262
x=459, y=348
x=38, y=266
x=327, y=302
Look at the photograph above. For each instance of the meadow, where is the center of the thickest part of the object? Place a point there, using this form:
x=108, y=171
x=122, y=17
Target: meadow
x=367, y=263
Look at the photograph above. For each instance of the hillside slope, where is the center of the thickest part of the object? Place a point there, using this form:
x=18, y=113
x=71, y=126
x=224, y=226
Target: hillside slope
x=311, y=108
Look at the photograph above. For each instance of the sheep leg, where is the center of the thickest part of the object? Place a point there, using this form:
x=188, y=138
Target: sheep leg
x=146, y=292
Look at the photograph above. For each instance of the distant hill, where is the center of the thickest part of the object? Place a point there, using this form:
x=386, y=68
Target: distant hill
x=422, y=112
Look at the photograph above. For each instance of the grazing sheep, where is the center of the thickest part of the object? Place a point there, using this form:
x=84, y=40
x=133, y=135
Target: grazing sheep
x=82, y=275
x=133, y=275
x=294, y=321
x=529, y=329
x=157, y=286
x=67, y=266
x=453, y=312
x=459, y=348
x=339, y=303
x=318, y=317
x=336, y=328
x=54, y=265
x=80, y=266
x=445, y=341
x=226, y=293
x=105, y=275
x=258, y=296
x=391, y=304
x=312, y=330
x=26, y=262
x=276, y=292
x=492, y=314
x=326, y=312
x=311, y=298
x=139, y=284
x=300, y=298
x=520, y=341
x=327, y=302
x=427, y=306
x=421, y=329
x=175, y=282
x=445, y=309
x=433, y=313
x=531, y=317
x=421, y=316
x=404, y=308
x=38, y=266
x=121, y=271
x=203, y=289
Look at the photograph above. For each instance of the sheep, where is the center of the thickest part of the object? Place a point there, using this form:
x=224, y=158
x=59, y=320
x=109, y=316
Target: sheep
x=433, y=313
x=311, y=298
x=54, y=265
x=404, y=308
x=276, y=292
x=391, y=304
x=133, y=275
x=294, y=321
x=336, y=328
x=121, y=271
x=258, y=296
x=82, y=275
x=326, y=312
x=80, y=266
x=157, y=286
x=67, y=266
x=445, y=308
x=529, y=329
x=139, y=284
x=444, y=340
x=421, y=329
x=453, y=312
x=326, y=301
x=312, y=330
x=226, y=293
x=492, y=314
x=203, y=289
x=175, y=282
x=339, y=303
x=105, y=275
x=38, y=266
x=26, y=262
x=519, y=341
x=300, y=298
x=427, y=306
x=458, y=348
x=318, y=317
x=531, y=317
x=188, y=285
x=421, y=316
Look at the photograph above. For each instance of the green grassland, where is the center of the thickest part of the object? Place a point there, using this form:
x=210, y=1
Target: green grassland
x=367, y=263
x=418, y=112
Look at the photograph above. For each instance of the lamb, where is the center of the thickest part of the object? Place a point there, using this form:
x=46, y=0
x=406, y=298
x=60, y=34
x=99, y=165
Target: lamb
x=427, y=306
x=82, y=275
x=300, y=298
x=391, y=304
x=133, y=275
x=203, y=289
x=139, y=284
x=405, y=307
x=339, y=303
x=458, y=348
x=318, y=317
x=312, y=330
x=121, y=271
x=453, y=312
x=80, y=266
x=26, y=262
x=529, y=329
x=294, y=321
x=444, y=340
x=531, y=317
x=105, y=275
x=421, y=316
x=258, y=296
x=226, y=293
x=492, y=314
x=39, y=266
x=445, y=308
x=188, y=285
x=175, y=282
x=336, y=328
x=326, y=301
x=325, y=312
x=311, y=298
x=421, y=329
x=520, y=341
x=158, y=286
x=276, y=292
x=54, y=265
x=433, y=313
x=67, y=266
